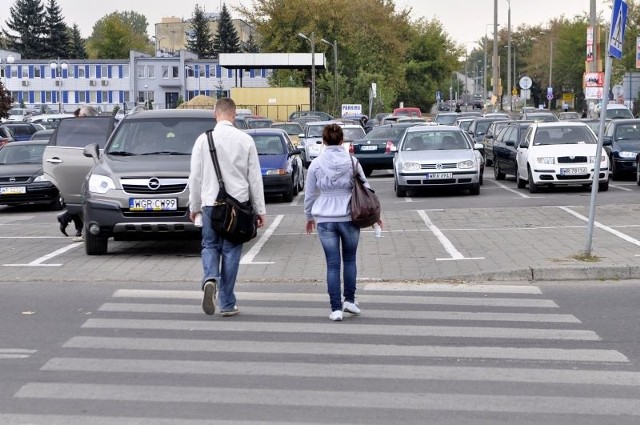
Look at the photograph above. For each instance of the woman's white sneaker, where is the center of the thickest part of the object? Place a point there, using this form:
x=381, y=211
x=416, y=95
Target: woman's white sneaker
x=350, y=307
x=336, y=315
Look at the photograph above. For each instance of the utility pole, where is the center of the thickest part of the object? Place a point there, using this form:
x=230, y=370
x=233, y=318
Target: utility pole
x=494, y=62
x=509, y=94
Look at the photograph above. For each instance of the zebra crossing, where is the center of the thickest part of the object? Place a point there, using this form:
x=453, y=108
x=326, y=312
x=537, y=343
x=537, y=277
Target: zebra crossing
x=435, y=353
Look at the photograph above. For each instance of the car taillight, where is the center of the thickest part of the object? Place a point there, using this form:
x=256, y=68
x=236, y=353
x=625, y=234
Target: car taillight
x=389, y=146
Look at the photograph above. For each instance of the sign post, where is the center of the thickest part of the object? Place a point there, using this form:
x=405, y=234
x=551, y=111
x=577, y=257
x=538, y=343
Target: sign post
x=525, y=84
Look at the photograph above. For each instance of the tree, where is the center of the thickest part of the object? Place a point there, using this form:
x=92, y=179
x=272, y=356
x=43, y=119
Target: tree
x=226, y=39
x=77, y=48
x=200, y=42
x=250, y=46
x=5, y=101
x=27, y=29
x=57, y=35
x=113, y=37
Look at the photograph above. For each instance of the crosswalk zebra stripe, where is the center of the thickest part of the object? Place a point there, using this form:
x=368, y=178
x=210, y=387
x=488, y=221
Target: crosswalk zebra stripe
x=450, y=287
x=377, y=313
x=386, y=298
x=309, y=398
x=356, y=371
x=374, y=350
x=345, y=328
x=9, y=419
x=15, y=353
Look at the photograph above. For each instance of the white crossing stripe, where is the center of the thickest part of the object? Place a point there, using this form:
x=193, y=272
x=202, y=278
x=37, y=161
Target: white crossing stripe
x=9, y=419
x=15, y=353
x=355, y=371
x=336, y=349
x=395, y=299
x=451, y=287
x=346, y=329
x=309, y=398
x=374, y=314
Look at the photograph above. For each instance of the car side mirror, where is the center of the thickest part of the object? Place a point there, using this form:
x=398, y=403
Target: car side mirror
x=510, y=143
x=92, y=151
x=478, y=146
x=295, y=152
x=523, y=145
x=606, y=141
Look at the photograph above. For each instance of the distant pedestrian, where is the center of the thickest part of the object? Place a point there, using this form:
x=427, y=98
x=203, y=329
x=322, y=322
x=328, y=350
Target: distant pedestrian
x=584, y=113
x=565, y=106
x=242, y=179
x=326, y=202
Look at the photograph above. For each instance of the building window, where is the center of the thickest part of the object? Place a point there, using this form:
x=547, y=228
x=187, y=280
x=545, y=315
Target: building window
x=47, y=96
x=165, y=71
x=105, y=97
x=37, y=97
x=71, y=71
x=175, y=72
x=125, y=71
x=81, y=73
x=114, y=71
x=104, y=72
x=92, y=71
x=82, y=96
x=151, y=73
x=36, y=72
x=126, y=96
x=14, y=72
x=93, y=96
x=140, y=70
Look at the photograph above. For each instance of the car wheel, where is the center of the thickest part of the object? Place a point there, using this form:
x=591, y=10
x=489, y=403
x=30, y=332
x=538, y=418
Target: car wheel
x=301, y=182
x=603, y=186
x=475, y=190
x=637, y=171
x=94, y=245
x=400, y=192
x=488, y=162
x=58, y=203
x=533, y=188
x=288, y=195
x=481, y=178
x=497, y=173
x=295, y=188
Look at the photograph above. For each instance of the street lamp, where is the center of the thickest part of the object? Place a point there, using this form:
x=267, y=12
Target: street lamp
x=312, y=41
x=335, y=70
x=57, y=67
x=484, y=74
x=157, y=44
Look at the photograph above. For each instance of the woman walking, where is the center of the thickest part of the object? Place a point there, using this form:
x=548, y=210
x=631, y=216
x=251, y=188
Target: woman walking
x=326, y=205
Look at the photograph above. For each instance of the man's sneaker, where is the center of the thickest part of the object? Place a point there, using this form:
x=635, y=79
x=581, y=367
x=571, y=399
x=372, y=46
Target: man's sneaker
x=350, y=307
x=209, y=298
x=336, y=315
x=229, y=313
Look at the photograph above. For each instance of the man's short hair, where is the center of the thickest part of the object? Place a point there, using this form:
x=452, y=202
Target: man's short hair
x=226, y=106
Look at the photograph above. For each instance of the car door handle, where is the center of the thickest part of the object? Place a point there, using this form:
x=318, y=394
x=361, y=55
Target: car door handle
x=54, y=160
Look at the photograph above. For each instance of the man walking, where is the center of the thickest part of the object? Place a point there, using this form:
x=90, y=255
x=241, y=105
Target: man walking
x=242, y=178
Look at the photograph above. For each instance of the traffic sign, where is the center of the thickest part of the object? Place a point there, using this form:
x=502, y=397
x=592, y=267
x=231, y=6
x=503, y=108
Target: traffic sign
x=616, y=30
x=550, y=96
x=526, y=83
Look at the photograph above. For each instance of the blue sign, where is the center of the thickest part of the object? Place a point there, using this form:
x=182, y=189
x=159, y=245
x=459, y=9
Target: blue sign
x=616, y=31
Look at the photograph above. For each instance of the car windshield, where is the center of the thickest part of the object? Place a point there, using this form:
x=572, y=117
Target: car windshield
x=18, y=153
x=259, y=123
x=289, y=128
x=269, y=144
x=435, y=140
x=616, y=113
x=563, y=136
x=387, y=133
x=16, y=111
x=542, y=117
x=446, y=119
x=481, y=126
x=315, y=130
x=166, y=136
x=628, y=132
x=353, y=133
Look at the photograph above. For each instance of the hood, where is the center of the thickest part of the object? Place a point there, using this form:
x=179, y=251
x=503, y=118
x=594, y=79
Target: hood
x=272, y=162
x=13, y=170
x=335, y=161
x=628, y=145
x=144, y=165
x=438, y=155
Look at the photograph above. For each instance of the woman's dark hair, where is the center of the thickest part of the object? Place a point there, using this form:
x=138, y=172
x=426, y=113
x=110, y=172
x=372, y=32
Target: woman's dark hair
x=332, y=135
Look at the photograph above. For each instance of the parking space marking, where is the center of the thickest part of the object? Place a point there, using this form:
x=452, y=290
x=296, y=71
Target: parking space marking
x=255, y=249
x=38, y=262
x=620, y=187
x=603, y=227
x=446, y=243
x=508, y=189
x=297, y=199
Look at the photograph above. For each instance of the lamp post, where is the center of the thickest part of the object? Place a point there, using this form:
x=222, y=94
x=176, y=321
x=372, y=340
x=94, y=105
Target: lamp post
x=312, y=42
x=157, y=44
x=145, y=97
x=335, y=69
x=57, y=67
x=484, y=72
x=509, y=93
x=495, y=87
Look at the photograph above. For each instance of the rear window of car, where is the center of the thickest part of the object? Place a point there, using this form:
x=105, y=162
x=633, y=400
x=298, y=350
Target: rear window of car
x=269, y=145
x=563, y=136
x=79, y=132
x=434, y=140
x=289, y=128
x=391, y=133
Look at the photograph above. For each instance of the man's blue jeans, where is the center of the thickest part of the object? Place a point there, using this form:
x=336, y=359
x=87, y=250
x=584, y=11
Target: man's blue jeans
x=334, y=236
x=220, y=261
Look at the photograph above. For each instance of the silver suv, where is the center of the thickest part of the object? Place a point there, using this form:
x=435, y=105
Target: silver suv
x=138, y=186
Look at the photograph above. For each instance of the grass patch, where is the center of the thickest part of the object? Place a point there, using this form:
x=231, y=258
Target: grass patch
x=587, y=258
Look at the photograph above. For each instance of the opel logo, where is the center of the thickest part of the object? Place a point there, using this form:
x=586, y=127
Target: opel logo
x=12, y=179
x=439, y=166
x=368, y=142
x=153, y=184
x=572, y=157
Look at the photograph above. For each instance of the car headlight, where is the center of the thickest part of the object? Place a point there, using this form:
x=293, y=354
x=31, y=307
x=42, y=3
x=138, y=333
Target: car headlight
x=278, y=171
x=41, y=178
x=546, y=160
x=100, y=184
x=592, y=159
x=466, y=164
x=315, y=148
x=625, y=154
x=411, y=166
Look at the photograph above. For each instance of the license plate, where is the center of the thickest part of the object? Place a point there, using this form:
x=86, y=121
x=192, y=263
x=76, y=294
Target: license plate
x=569, y=171
x=437, y=176
x=151, y=204
x=13, y=190
x=368, y=148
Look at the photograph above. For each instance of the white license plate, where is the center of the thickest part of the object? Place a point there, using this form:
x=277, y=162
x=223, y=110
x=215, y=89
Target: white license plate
x=368, y=148
x=151, y=204
x=437, y=176
x=569, y=171
x=13, y=190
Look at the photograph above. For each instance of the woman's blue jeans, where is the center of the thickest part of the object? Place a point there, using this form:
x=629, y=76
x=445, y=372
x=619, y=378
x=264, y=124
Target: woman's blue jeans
x=220, y=261
x=334, y=236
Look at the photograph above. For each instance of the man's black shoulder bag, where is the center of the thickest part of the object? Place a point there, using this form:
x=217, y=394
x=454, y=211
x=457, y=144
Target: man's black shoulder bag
x=233, y=220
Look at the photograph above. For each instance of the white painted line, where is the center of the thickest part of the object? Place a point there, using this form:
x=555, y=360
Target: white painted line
x=38, y=261
x=508, y=189
x=19, y=419
x=297, y=199
x=346, y=328
x=408, y=199
x=620, y=187
x=373, y=314
x=603, y=227
x=355, y=371
x=418, y=299
x=255, y=249
x=15, y=353
x=415, y=401
x=446, y=243
x=452, y=287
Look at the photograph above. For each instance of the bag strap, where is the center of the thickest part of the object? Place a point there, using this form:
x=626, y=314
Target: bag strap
x=214, y=158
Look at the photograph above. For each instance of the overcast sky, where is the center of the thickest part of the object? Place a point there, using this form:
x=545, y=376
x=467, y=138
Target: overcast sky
x=464, y=20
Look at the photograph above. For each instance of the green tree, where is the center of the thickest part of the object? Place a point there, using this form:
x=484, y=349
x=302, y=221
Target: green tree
x=226, y=39
x=5, y=101
x=200, y=42
x=136, y=21
x=113, y=37
x=251, y=45
x=26, y=24
x=77, y=49
x=57, y=36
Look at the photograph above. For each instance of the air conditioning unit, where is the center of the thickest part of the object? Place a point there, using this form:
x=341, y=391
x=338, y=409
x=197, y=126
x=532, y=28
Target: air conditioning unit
x=92, y=82
x=105, y=82
x=25, y=83
x=58, y=83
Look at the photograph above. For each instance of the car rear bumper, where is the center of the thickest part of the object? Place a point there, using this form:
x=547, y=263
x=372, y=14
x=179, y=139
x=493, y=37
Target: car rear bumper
x=379, y=161
x=460, y=180
x=553, y=177
x=277, y=184
x=35, y=194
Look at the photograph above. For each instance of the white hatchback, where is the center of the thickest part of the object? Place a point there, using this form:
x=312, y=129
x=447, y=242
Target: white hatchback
x=560, y=153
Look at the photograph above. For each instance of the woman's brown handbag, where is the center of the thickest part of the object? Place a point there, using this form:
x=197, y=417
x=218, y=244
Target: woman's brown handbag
x=365, y=205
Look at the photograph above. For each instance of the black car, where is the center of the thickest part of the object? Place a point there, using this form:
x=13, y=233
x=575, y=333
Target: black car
x=21, y=178
x=376, y=150
x=505, y=147
x=478, y=128
x=622, y=144
x=20, y=131
x=489, y=136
